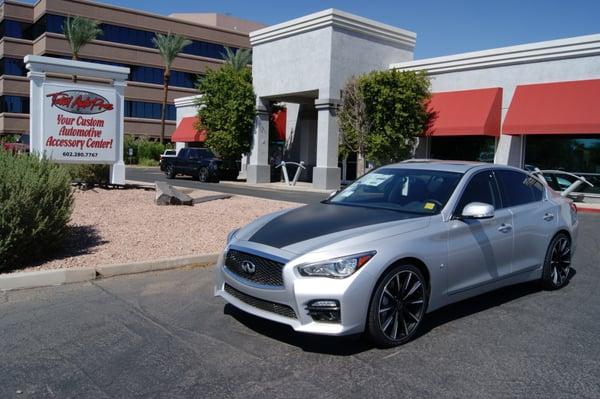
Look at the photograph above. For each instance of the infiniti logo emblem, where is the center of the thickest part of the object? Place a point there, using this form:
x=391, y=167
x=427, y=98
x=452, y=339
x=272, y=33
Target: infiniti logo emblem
x=248, y=267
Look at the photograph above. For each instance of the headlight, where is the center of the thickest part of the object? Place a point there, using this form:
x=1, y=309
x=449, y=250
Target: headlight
x=231, y=235
x=336, y=268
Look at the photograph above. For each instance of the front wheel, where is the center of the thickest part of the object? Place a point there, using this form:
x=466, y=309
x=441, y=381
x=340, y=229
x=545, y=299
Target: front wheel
x=557, y=264
x=203, y=174
x=398, y=306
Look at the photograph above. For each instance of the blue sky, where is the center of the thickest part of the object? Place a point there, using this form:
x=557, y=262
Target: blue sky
x=442, y=27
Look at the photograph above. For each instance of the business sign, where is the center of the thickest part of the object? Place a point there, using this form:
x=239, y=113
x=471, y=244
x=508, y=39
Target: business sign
x=79, y=123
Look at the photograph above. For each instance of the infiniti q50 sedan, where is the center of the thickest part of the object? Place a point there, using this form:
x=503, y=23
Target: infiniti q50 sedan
x=400, y=242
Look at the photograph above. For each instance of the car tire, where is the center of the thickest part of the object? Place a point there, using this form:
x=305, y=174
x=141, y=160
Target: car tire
x=170, y=172
x=203, y=175
x=557, y=263
x=398, y=306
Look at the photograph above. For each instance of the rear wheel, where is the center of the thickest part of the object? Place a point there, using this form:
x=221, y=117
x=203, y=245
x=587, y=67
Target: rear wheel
x=203, y=174
x=398, y=306
x=557, y=264
x=170, y=172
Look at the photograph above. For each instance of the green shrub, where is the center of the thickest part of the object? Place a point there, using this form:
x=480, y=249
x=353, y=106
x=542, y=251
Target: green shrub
x=149, y=149
x=147, y=162
x=90, y=174
x=35, y=206
x=142, y=149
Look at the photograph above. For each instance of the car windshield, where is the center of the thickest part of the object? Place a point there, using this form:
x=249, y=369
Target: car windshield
x=407, y=190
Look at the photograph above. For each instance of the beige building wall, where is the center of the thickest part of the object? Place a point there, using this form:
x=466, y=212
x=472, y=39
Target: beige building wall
x=219, y=30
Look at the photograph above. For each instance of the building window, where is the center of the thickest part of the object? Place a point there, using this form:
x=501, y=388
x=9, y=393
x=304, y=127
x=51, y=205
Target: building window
x=16, y=29
x=14, y=104
x=148, y=110
x=12, y=66
x=570, y=153
x=463, y=148
x=136, y=37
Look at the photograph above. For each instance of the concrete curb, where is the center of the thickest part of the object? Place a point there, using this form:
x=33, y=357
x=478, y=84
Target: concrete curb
x=44, y=278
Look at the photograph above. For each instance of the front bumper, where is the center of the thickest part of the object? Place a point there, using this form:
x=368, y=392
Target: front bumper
x=352, y=293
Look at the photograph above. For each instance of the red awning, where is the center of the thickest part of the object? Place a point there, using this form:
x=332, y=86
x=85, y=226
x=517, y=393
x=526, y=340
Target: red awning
x=186, y=131
x=555, y=108
x=466, y=113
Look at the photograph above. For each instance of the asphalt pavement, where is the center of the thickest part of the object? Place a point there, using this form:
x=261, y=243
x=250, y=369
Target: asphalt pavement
x=150, y=175
x=163, y=335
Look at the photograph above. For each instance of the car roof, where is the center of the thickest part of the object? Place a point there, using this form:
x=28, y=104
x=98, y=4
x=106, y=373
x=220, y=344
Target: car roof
x=446, y=165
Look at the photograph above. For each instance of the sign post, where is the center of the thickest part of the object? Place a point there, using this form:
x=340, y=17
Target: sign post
x=77, y=122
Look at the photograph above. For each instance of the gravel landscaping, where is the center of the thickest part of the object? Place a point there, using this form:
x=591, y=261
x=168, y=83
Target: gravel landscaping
x=118, y=226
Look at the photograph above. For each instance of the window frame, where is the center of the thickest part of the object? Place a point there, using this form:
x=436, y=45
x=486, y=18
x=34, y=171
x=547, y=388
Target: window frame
x=457, y=212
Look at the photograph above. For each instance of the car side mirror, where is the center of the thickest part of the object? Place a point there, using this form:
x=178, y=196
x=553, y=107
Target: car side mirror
x=477, y=210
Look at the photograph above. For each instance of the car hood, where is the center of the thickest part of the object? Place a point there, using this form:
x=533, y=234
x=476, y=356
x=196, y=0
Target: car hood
x=319, y=226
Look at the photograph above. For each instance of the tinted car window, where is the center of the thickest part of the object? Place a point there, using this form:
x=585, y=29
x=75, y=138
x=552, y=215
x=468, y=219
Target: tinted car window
x=518, y=188
x=481, y=188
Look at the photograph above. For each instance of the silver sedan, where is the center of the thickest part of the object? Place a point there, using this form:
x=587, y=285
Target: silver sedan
x=400, y=242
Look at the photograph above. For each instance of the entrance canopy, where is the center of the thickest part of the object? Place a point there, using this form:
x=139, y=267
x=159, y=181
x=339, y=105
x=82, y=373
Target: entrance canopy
x=555, y=108
x=466, y=113
x=186, y=131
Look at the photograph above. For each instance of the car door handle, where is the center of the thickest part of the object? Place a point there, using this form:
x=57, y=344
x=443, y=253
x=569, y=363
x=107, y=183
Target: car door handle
x=504, y=228
x=548, y=217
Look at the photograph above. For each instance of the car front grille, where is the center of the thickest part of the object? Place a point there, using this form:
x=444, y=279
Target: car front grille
x=267, y=271
x=273, y=307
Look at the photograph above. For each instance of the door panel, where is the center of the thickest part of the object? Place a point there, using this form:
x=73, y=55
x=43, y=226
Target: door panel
x=479, y=251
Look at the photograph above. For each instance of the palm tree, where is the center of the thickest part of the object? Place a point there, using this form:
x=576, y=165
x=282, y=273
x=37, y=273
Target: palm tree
x=238, y=59
x=168, y=46
x=80, y=31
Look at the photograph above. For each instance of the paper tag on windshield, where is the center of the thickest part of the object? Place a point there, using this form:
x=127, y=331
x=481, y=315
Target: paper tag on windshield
x=375, y=179
x=429, y=205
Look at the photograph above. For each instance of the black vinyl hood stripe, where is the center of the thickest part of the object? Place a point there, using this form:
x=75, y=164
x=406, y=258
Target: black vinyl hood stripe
x=316, y=220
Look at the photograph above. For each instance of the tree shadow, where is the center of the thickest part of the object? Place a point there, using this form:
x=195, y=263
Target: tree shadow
x=351, y=345
x=79, y=240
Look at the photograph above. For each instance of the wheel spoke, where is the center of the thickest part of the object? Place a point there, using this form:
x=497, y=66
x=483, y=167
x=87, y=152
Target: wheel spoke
x=384, y=309
x=412, y=316
x=555, y=275
x=387, y=323
x=414, y=288
x=405, y=326
x=385, y=291
x=395, y=327
x=418, y=301
x=406, y=282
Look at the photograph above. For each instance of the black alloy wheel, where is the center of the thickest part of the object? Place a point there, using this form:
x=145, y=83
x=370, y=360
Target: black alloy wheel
x=557, y=264
x=398, y=306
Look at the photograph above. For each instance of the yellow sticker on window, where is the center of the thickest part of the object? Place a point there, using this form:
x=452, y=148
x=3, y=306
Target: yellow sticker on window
x=429, y=205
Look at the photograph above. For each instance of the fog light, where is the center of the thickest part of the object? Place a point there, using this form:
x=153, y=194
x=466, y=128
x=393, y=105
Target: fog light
x=324, y=310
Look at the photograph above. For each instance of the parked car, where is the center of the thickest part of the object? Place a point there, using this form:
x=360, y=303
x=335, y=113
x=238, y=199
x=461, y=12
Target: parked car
x=400, y=242
x=166, y=154
x=199, y=163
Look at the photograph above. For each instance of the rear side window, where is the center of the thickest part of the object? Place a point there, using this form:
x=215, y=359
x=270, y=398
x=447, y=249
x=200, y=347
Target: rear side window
x=518, y=188
x=481, y=188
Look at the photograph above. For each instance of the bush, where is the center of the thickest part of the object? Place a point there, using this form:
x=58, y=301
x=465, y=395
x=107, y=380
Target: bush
x=90, y=174
x=35, y=206
x=142, y=149
x=147, y=162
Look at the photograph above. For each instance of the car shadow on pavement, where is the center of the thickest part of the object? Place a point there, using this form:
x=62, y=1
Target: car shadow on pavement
x=337, y=346
x=351, y=345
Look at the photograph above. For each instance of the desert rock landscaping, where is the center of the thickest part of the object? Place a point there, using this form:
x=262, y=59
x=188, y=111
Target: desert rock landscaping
x=118, y=226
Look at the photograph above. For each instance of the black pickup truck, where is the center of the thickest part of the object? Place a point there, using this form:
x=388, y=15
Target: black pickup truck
x=200, y=163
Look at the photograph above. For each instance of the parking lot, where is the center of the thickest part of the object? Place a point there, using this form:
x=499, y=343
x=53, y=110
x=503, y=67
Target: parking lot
x=165, y=335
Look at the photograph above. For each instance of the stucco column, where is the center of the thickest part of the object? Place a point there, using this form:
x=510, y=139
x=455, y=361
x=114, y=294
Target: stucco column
x=326, y=175
x=259, y=170
x=509, y=151
x=35, y=112
x=117, y=169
